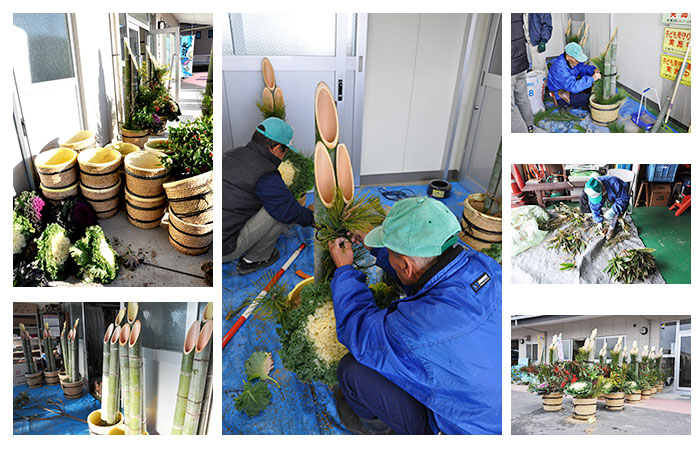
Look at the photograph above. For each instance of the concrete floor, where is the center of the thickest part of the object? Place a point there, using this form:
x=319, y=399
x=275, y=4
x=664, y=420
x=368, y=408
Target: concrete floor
x=666, y=413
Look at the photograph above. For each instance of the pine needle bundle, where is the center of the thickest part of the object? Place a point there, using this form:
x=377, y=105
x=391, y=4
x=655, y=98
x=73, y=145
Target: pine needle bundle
x=270, y=307
x=272, y=111
x=554, y=115
x=304, y=172
x=631, y=265
x=616, y=127
x=573, y=38
x=597, y=89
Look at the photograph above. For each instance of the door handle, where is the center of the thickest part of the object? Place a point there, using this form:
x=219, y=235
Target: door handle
x=476, y=107
x=340, y=90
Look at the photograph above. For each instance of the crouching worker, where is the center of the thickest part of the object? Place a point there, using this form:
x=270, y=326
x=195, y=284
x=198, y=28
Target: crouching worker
x=605, y=191
x=570, y=78
x=430, y=362
x=257, y=205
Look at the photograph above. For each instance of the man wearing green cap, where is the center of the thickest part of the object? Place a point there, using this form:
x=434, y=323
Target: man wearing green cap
x=257, y=205
x=431, y=361
x=570, y=78
x=599, y=191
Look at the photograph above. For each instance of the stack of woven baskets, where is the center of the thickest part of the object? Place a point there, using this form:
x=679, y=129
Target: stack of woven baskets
x=100, y=181
x=58, y=173
x=145, y=197
x=191, y=213
x=82, y=140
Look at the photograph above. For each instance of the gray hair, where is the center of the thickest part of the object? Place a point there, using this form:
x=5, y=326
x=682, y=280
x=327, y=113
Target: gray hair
x=423, y=262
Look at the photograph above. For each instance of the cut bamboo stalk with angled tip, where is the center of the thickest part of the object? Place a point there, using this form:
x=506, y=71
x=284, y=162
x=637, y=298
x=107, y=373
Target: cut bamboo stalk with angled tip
x=105, y=370
x=75, y=372
x=267, y=98
x=325, y=175
x=208, y=312
x=137, y=421
x=326, y=117
x=124, y=371
x=202, y=354
x=113, y=394
x=278, y=97
x=268, y=73
x=346, y=180
x=183, y=387
x=120, y=317
x=132, y=312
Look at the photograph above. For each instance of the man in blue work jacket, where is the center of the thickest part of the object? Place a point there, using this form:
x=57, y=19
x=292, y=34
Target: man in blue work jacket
x=570, y=78
x=602, y=191
x=431, y=361
x=257, y=205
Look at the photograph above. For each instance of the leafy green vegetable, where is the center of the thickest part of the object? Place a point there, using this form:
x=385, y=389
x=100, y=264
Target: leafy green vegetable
x=259, y=365
x=304, y=176
x=31, y=206
x=22, y=232
x=254, y=398
x=53, y=249
x=96, y=259
x=75, y=215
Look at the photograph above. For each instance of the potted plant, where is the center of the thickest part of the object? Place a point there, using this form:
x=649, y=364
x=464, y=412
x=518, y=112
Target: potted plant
x=646, y=377
x=189, y=159
x=606, y=98
x=660, y=375
x=138, y=116
x=50, y=373
x=613, y=386
x=155, y=94
x=32, y=375
x=73, y=386
x=549, y=380
x=584, y=384
x=633, y=391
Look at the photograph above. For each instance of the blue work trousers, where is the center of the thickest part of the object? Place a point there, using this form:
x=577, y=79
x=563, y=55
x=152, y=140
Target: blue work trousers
x=373, y=396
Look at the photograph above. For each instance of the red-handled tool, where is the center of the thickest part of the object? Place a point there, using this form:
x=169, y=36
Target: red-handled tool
x=249, y=310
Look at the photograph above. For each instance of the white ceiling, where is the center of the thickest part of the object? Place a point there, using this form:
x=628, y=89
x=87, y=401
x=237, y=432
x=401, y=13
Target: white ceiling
x=200, y=18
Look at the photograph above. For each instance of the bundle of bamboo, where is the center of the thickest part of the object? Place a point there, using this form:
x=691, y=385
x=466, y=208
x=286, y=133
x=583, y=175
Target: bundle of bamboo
x=73, y=385
x=194, y=392
x=32, y=375
x=50, y=373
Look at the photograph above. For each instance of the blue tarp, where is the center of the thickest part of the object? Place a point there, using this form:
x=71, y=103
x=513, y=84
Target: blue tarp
x=628, y=110
x=39, y=397
x=296, y=408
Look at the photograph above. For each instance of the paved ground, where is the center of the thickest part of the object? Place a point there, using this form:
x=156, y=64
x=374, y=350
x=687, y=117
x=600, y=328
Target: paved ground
x=652, y=417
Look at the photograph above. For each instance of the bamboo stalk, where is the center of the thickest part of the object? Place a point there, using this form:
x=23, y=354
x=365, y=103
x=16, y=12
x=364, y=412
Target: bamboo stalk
x=105, y=372
x=137, y=419
x=62, y=345
x=579, y=29
x=25, y=349
x=585, y=36
x=51, y=361
x=199, y=374
x=75, y=374
x=183, y=387
x=120, y=317
x=203, y=426
x=132, y=312
x=568, y=27
x=113, y=394
x=127, y=82
x=124, y=372
x=69, y=352
x=208, y=312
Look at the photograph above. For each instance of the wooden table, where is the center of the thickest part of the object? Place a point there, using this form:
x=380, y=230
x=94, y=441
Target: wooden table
x=540, y=188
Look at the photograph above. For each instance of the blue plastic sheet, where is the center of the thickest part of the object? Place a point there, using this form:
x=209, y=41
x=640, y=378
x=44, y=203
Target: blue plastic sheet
x=628, y=110
x=296, y=408
x=39, y=397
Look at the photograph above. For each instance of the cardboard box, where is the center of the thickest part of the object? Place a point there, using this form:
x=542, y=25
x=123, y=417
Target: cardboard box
x=18, y=371
x=24, y=308
x=660, y=194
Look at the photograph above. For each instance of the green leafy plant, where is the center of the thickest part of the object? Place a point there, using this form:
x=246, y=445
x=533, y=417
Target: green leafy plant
x=495, y=251
x=631, y=265
x=28, y=274
x=191, y=149
x=555, y=115
x=598, y=85
x=53, y=249
x=30, y=205
x=96, y=259
x=22, y=233
x=616, y=127
x=259, y=365
x=275, y=110
x=254, y=398
x=303, y=176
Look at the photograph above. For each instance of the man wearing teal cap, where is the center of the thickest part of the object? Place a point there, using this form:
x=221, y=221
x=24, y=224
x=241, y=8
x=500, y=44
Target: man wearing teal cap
x=602, y=191
x=570, y=78
x=257, y=205
x=431, y=361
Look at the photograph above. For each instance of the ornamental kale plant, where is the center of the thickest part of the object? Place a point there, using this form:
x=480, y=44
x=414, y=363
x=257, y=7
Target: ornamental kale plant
x=22, y=233
x=191, y=149
x=96, y=259
x=53, y=247
x=75, y=215
x=31, y=206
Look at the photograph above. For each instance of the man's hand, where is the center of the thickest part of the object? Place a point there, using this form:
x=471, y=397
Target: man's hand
x=609, y=214
x=542, y=47
x=596, y=76
x=341, y=252
x=357, y=237
x=599, y=226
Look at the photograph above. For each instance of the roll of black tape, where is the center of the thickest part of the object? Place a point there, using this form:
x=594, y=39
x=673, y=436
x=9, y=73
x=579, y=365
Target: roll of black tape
x=439, y=189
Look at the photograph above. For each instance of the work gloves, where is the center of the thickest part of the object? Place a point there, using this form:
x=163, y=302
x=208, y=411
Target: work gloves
x=609, y=214
x=599, y=226
x=541, y=47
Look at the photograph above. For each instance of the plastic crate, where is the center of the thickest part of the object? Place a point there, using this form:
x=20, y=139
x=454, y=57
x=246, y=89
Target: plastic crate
x=661, y=172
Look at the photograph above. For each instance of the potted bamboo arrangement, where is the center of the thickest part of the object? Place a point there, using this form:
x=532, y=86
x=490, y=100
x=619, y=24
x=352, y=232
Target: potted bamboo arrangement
x=549, y=380
x=73, y=385
x=103, y=420
x=659, y=370
x=585, y=382
x=155, y=93
x=272, y=104
x=613, y=386
x=633, y=393
x=606, y=98
x=51, y=373
x=137, y=118
x=32, y=375
x=646, y=378
x=194, y=392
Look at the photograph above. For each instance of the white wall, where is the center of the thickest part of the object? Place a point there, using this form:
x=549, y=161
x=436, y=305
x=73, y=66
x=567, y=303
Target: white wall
x=412, y=66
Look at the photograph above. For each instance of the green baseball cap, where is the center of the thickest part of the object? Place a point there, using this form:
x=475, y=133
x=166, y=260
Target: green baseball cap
x=594, y=190
x=416, y=226
x=575, y=51
x=277, y=130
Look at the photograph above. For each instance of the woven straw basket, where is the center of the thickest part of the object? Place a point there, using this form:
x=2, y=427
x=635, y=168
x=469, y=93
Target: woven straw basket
x=192, y=199
x=145, y=173
x=82, y=140
x=145, y=212
x=136, y=137
x=104, y=201
x=60, y=194
x=57, y=168
x=99, y=167
x=189, y=238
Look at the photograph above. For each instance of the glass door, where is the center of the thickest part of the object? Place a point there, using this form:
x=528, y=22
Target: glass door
x=684, y=361
x=165, y=45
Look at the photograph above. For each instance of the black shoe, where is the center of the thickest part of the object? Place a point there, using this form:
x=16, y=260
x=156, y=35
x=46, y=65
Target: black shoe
x=530, y=129
x=356, y=424
x=244, y=268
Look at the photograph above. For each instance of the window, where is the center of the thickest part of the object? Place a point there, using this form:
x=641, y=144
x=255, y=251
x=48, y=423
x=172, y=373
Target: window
x=611, y=341
x=198, y=35
x=566, y=345
x=667, y=337
x=169, y=333
x=48, y=46
x=532, y=352
x=210, y=34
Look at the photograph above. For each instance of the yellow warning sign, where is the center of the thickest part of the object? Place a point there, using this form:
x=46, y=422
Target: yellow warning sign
x=676, y=40
x=670, y=65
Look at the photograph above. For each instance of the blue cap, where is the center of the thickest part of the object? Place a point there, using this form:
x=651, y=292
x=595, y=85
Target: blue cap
x=277, y=130
x=575, y=51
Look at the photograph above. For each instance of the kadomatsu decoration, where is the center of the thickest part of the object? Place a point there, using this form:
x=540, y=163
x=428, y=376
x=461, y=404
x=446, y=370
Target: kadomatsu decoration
x=272, y=104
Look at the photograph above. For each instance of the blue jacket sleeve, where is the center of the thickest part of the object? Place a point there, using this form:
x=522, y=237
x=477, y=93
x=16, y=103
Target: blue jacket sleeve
x=279, y=202
x=622, y=197
x=597, y=211
x=584, y=69
x=543, y=22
